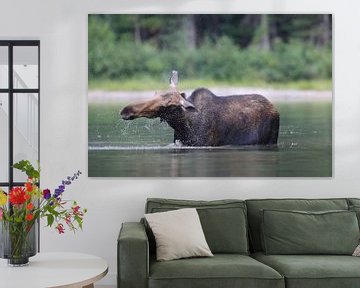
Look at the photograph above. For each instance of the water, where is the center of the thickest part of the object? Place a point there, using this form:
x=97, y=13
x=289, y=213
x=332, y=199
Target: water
x=144, y=148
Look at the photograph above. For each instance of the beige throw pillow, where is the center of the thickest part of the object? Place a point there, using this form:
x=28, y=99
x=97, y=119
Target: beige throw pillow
x=357, y=251
x=178, y=234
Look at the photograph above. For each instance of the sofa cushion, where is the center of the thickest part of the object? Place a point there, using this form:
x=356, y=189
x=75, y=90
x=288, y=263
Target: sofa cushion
x=222, y=270
x=313, y=271
x=356, y=209
x=254, y=216
x=178, y=234
x=354, y=205
x=223, y=221
x=353, y=201
x=298, y=232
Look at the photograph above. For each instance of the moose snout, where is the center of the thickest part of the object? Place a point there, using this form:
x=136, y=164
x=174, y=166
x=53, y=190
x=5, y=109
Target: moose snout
x=127, y=113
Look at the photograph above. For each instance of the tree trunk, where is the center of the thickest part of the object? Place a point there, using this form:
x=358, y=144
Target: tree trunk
x=265, y=32
x=190, y=31
x=137, y=30
x=326, y=29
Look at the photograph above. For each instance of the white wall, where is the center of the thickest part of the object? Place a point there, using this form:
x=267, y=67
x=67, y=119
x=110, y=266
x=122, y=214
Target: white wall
x=62, y=28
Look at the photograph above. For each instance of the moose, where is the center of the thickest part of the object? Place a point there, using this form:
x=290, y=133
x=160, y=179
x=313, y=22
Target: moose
x=204, y=119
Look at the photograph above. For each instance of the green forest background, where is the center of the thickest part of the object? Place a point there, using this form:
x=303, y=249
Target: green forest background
x=138, y=52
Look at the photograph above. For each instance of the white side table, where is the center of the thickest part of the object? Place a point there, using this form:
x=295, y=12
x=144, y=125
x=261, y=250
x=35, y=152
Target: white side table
x=60, y=270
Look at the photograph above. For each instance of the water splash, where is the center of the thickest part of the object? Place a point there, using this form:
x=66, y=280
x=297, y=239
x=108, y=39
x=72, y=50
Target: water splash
x=179, y=146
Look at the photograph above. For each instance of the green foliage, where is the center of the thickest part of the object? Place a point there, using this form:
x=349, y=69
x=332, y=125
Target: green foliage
x=156, y=84
x=296, y=61
x=219, y=61
x=28, y=168
x=116, y=55
x=101, y=47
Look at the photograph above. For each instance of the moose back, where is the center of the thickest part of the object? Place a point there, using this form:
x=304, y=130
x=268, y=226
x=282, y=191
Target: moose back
x=204, y=119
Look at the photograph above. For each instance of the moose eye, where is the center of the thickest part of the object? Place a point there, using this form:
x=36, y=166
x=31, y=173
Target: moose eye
x=166, y=98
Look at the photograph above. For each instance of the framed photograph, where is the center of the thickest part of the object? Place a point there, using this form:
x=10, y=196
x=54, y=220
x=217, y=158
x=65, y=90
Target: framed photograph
x=210, y=95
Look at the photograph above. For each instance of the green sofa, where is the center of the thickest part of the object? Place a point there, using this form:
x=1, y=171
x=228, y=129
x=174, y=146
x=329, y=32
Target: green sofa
x=256, y=243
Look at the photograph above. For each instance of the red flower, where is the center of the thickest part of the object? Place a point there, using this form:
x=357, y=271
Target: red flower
x=29, y=186
x=68, y=219
x=17, y=196
x=27, y=196
x=29, y=217
x=29, y=206
x=46, y=194
x=75, y=209
x=60, y=228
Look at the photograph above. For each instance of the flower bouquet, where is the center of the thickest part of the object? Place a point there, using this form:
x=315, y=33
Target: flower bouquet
x=21, y=208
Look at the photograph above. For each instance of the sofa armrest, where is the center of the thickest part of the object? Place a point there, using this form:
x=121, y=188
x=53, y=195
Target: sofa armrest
x=133, y=256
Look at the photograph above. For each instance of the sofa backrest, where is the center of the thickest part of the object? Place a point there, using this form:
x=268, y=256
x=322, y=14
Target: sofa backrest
x=256, y=205
x=353, y=202
x=223, y=221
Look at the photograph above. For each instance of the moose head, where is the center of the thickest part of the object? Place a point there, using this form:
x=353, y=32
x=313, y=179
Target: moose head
x=163, y=103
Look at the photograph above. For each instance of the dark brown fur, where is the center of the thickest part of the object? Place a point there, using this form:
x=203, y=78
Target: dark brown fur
x=204, y=119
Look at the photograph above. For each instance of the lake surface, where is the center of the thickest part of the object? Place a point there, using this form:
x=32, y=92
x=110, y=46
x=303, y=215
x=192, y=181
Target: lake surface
x=144, y=148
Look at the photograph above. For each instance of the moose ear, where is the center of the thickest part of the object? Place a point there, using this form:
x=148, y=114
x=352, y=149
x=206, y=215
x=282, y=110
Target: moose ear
x=183, y=95
x=174, y=79
x=186, y=105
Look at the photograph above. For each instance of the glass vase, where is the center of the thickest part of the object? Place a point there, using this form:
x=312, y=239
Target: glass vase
x=18, y=242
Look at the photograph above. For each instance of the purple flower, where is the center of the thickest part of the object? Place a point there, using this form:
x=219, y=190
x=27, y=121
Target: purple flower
x=68, y=181
x=46, y=194
x=58, y=192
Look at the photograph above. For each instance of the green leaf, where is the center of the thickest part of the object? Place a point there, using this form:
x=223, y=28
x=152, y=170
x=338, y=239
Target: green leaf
x=52, y=211
x=28, y=168
x=50, y=219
